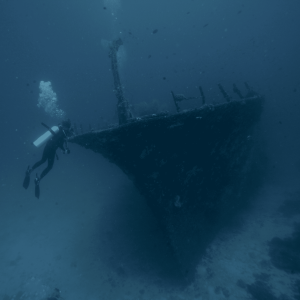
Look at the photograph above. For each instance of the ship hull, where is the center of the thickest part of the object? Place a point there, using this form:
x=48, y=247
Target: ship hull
x=191, y=167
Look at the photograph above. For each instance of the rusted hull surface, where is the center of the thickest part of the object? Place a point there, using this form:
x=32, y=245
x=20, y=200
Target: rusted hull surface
x=191, y=167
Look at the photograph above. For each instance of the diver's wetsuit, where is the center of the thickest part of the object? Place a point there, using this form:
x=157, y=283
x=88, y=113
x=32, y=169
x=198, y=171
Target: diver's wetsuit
x=49, y=152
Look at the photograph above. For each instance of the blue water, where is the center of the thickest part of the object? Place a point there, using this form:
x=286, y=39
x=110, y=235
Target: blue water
x=91, y=234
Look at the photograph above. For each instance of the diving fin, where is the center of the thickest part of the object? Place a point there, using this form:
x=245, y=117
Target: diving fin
x=27, y=178
x=37, y=186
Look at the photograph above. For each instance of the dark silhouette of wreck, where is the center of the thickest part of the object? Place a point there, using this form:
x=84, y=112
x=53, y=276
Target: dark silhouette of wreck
x=194, y=168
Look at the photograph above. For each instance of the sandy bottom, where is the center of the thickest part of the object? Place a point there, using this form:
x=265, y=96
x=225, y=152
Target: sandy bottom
x=92, y=236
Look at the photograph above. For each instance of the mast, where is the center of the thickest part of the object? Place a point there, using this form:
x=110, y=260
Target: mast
x=122, y=105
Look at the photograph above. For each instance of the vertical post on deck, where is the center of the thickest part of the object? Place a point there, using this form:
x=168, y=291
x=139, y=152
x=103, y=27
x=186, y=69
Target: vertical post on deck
x=175, y=101
x=202, y=95
x=122, y=106
x=237, y=91
x=225, y=95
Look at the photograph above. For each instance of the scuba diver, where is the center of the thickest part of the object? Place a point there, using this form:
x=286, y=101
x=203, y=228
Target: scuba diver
x=57, y=137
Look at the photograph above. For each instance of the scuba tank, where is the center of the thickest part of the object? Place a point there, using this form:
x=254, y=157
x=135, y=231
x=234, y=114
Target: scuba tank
x=46, y=136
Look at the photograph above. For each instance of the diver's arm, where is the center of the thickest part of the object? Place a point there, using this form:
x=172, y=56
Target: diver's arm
x=61, y=145
x=65, y=150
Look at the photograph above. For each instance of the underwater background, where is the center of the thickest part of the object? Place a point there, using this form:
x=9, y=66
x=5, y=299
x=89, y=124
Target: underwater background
x=91, y=234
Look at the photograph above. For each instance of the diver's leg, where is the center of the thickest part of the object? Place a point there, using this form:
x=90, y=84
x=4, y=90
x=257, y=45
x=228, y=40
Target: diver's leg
x=26, y=181
x=44, y=158
x=51, y=157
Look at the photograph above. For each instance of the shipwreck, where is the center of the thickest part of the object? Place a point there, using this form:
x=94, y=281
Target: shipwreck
x=193, y=167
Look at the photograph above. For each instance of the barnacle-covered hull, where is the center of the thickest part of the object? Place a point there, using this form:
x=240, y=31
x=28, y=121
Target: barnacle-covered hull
x=191, y=167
